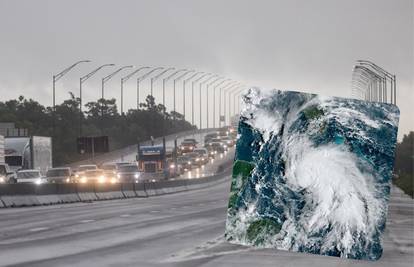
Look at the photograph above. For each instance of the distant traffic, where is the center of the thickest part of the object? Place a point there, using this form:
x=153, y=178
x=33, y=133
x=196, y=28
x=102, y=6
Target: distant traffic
x=153, y=162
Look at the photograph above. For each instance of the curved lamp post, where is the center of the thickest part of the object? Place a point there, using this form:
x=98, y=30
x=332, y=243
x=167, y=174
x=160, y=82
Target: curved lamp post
x=153, y=79
x=214, y=100
x=208, y=85
x=184, y=83
x=81, y=81
x=192, y=94
x=177, y=79
x=227, y=86
x=127, y=77
x=200, y=85
x=107, y=78
x=225, y=101
x=167, y=79
x=143, y=77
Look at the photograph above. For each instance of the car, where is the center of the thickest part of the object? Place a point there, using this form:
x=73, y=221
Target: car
x=218, y=147
x=228, y=141
x=6, y=175
x=110, y=169
x=59, y=175
x=193, y=140
x=187, y=146
x=30, y=176
x=195, y=159
x=209, y=137
x=96, y=176
x=211, y=152
x=203, y=155
x=185, y=162
x=83, y=168
x=118, y=164
x=174, y=168
x=129, y=173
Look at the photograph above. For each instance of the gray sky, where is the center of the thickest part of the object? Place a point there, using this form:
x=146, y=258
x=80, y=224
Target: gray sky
x=302, y=45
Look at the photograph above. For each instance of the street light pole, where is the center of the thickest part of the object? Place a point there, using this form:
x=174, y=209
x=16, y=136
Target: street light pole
x=192, y=94
x=386, y=74
x=81, y=81
x=214, y=100
x=166, y=80
x=177, y=79
x=107, y=78
x=208, y=85
x=200, y=85
x=235, y=90
x=221, y=89
x=55, y=79
x=225, y=101
x=184, y=83
x=153, y=79
x=127, y=77
x=141, y=78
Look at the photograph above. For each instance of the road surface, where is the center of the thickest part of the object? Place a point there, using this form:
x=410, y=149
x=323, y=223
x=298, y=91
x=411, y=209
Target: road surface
x=184, y=229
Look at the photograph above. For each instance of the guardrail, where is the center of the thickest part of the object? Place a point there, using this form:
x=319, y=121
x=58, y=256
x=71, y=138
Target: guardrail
x=20, y=195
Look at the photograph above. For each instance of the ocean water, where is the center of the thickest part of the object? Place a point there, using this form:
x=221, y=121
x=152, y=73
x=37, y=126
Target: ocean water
x=312, y=174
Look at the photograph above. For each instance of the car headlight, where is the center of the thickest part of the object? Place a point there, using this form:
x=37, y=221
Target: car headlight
x=189, y=162
x=197, y=159
x=67, y=180
x=172, y=166
x=2, y=180
x=101, y=179
x=39, y=181
x=114, y=180
x=83, y=179
x=136, y=176
x=118, y=175
x=77, y=175
x=224, y=146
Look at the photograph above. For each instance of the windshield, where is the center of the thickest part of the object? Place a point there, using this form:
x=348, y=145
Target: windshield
x=94, y=173
x=200, y=151
x=129, y=168
x=109, y=167
x=23, y=175
x=192, y=155
x=183, y=159
x=57, y=172
x=87, y=167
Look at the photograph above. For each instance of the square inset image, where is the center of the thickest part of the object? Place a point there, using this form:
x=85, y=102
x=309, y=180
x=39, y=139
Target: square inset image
x=312, y=173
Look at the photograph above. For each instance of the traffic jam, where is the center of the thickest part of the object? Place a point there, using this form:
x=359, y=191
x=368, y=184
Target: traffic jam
x=153, y=162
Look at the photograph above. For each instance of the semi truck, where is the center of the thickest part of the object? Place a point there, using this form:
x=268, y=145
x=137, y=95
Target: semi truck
x=33, y=152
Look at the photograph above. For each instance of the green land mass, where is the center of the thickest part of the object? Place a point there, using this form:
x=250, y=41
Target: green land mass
x=259, y=230
x=313, y=112
x=241, y=170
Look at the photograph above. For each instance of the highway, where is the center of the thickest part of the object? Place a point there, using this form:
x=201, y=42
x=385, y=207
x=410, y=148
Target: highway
x=183, y=229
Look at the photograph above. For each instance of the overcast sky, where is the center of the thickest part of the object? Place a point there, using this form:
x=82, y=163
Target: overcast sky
x=303, y=45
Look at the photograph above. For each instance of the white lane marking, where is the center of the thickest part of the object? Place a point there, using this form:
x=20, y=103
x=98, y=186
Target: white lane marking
x=155, y=211
x=125, y=215
x=201, y=204
x=39, y=229
x=184, y=207
x=87, y=221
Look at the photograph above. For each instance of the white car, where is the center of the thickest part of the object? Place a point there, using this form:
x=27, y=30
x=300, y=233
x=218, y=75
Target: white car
x=30, y=176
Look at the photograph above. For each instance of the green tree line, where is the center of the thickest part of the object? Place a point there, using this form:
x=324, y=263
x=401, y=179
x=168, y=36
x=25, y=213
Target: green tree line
x=404, y=164
x=98, y=118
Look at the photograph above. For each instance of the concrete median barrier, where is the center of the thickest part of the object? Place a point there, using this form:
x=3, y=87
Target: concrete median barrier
x=128, y=190
x=18, y=195
x=86, y=192
x=108, y=191
x=67, y=193
x=140, y=190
